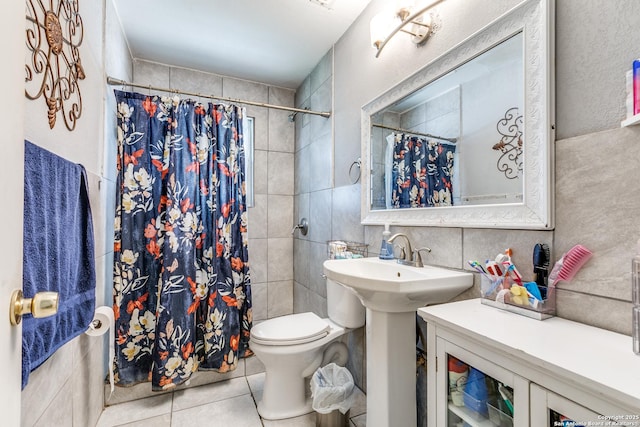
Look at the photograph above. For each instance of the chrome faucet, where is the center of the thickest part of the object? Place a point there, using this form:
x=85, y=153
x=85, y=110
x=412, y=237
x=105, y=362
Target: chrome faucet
x=409, y=256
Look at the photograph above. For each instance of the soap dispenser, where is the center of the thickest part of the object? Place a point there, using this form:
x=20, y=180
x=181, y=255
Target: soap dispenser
x=386, y=249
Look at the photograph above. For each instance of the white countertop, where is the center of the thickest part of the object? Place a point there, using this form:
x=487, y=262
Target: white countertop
x=601, y=360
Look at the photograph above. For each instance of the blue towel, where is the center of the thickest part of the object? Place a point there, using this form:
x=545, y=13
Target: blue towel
x=58, y=253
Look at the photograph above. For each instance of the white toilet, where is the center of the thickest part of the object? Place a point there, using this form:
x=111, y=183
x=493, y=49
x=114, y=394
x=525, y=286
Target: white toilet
x=292, y=347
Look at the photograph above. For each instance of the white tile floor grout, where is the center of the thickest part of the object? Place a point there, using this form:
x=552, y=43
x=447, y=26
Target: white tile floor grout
x=224, y=403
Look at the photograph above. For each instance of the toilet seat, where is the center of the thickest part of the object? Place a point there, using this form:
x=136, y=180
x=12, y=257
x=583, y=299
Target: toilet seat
x=291, y=329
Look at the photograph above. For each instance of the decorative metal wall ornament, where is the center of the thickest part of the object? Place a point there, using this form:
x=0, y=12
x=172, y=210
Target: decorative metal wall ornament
x=53, y=68
x=510, y=144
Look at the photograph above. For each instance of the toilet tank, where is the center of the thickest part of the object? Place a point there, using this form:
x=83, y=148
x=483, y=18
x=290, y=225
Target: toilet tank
x=343, y=306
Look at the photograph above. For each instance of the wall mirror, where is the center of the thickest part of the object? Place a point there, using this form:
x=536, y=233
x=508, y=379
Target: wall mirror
x=467, y=141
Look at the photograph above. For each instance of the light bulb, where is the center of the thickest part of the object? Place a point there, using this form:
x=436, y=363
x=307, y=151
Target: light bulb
x=380, y=27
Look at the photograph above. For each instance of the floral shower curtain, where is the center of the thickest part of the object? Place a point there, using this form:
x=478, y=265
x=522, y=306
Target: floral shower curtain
x=422, y=171
x=182, y=295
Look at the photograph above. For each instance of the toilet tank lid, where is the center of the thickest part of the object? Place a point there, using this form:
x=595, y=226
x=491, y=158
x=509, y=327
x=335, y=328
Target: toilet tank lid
x=291, y=327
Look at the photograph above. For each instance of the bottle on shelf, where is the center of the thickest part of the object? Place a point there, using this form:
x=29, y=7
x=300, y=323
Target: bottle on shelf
x=475, y=392
x=458, y=372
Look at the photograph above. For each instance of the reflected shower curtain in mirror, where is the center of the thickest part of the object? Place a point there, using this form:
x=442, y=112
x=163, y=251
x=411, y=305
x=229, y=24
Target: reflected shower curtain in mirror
x=422, y=171
x=182, y=295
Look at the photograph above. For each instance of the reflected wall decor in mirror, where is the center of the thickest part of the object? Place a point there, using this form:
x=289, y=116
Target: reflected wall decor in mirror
x=467, y=141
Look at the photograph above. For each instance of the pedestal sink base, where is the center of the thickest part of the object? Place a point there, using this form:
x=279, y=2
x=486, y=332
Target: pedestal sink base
x=392, y=293
x=391, y=369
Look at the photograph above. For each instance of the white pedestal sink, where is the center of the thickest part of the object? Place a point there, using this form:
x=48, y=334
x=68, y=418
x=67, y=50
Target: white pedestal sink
x=392, y=293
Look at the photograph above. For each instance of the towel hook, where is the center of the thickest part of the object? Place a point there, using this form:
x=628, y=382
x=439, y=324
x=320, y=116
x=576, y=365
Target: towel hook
x=357, y=163
x=43, y=304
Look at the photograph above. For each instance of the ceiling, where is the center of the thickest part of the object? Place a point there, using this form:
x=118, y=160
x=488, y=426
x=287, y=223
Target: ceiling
x=276, y=42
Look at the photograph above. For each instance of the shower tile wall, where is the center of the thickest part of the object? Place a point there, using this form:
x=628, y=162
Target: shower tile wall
x=333, y=213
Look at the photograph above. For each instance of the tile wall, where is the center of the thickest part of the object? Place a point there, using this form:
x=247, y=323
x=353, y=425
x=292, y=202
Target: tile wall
x=333, y=213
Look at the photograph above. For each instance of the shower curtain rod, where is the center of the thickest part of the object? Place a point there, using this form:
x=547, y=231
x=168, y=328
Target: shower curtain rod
x=116, y=82
x=428, y=135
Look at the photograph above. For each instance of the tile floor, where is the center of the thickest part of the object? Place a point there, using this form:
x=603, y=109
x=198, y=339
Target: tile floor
x=226, y=403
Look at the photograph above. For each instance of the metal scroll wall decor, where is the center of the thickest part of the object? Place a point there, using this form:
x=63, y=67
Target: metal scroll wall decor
x=53, y=66
x=510, y=144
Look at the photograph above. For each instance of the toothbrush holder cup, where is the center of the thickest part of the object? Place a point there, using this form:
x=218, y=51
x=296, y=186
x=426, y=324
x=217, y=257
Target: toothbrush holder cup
x=497, y=292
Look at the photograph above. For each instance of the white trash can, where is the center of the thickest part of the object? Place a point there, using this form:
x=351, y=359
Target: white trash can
x=332, y=395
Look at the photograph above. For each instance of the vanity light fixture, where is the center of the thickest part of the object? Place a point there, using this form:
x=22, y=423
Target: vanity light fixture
x=406, y=18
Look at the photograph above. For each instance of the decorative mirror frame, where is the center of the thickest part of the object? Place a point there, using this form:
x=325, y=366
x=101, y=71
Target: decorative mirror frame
x=535, y=19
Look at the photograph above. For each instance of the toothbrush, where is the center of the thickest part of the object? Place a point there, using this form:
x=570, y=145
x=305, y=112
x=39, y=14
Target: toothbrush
x=477, y=267
x=569, y=264
x=500, y=280
x=506, y=262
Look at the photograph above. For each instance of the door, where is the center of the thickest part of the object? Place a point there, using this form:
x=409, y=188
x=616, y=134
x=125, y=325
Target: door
x=476, y=392
x=551, y=409
x=12, y=34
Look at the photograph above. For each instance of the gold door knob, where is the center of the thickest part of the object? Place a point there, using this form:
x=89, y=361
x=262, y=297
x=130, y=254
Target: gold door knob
x=43, y=304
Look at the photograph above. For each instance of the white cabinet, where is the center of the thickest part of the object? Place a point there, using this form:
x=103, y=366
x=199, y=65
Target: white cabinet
x=553, y=370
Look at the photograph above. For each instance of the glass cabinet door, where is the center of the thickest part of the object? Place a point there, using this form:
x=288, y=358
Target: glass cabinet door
x=475, y=392
x=550, y=409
